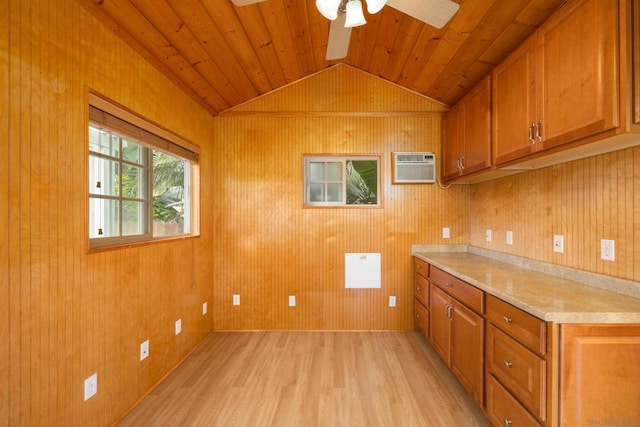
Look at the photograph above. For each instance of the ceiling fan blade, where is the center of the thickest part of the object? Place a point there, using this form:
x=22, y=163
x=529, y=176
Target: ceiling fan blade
x=433, y=12
x=245, y=2
x=339, y=37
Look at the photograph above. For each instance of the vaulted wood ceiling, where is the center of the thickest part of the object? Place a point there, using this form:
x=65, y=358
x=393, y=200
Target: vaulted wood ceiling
x=224, y=55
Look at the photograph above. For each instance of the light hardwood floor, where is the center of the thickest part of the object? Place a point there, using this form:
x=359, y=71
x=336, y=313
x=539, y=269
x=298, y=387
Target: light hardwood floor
x=309, y=379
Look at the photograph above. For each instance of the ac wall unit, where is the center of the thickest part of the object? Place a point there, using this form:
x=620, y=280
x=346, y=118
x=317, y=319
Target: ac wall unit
x=414, y=168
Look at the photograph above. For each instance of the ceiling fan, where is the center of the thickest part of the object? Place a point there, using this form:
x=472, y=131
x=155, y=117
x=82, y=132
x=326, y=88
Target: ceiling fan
x=345, y=14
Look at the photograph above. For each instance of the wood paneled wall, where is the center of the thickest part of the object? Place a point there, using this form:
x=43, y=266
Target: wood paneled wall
x=66, y=313
x=268, y=246
x=584, y=200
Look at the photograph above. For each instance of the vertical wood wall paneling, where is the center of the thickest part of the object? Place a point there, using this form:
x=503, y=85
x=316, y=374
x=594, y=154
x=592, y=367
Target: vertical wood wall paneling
x=269, y=246
x=585, y=200
x=5, y=344
x=71, y=313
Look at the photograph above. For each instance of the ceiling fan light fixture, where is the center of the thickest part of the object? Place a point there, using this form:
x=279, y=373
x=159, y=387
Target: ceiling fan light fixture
x=328, y=8
x=354, y=14
x=374, y=6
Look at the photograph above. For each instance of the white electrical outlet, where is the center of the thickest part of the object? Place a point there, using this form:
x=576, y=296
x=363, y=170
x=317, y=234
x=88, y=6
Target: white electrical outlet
x=509, y=237
x=488, y=235
x=204, y=308
x=292, y=300
x=144, y=350
x=558, y=243
x=392, y=300
x=445, y=233
x=236, y=299
x=178, y=326
x=90, y=386
x=608, y=250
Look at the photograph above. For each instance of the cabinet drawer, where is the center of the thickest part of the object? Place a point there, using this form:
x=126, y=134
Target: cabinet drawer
x=504, y=410
x=421, y=317
x=520, y=370
x=527, y=329
x=421, y=290
x=421, y=267
x=467, y=294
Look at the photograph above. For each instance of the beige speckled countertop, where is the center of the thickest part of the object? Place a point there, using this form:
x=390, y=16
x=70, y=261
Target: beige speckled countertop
x=545, y=296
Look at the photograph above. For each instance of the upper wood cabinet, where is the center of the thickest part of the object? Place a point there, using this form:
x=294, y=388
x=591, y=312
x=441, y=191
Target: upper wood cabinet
x=561, y=85
x=466, y=146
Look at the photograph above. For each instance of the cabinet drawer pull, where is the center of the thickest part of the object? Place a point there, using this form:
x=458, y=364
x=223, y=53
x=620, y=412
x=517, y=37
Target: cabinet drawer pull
x=506, y=422
x=506, y=319
x=448, y=285
x=507, y=364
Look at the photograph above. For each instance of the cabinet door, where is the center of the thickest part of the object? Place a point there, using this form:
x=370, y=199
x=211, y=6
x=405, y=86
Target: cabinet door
x=451, y=142
x=467, y=349
x=577, y=58
x=514, y=104
x=599, y=374
x=476, y=111
x=439, y=322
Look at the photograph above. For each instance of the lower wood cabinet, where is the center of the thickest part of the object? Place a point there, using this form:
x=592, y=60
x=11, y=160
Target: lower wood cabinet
x=600, y=375
x=457, y=335
x=524, y=371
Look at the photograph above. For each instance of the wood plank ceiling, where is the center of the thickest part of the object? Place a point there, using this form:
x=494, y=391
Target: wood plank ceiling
x=224, y=55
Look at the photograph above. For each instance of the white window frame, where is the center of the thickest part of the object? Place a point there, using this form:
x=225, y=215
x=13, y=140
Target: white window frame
x=342, y=159
x=111, y=118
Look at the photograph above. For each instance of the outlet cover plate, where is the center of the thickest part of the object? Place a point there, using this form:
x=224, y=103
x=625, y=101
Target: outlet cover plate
x=558, y=243
x=446, y=233
x=509, y=237
x=90, y=386
x=608, y=250
x=488, y=235
x=236, y=299
x=292, y=300
x=144, y=350
x=178, y=326
x=392, y=300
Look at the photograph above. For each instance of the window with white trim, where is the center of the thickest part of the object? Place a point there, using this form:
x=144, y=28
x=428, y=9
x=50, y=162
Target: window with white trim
x=341, y=180
x=141, y=184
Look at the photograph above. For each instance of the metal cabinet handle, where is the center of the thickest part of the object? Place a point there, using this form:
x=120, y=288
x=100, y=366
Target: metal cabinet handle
x=462, y=162
x=533, y=141
x=506, y=422
x=507, y=364
x=448, y=311
x=448, y=285
x=537, y=127
x=506, y=319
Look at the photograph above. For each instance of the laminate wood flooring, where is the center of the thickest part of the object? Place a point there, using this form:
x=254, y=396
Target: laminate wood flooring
x=309, y=379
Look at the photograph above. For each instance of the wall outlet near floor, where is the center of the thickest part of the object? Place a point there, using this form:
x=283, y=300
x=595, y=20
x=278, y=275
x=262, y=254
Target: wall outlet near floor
x=292, y=300
x=144, y=350
x=178, y=326
x=558, y=243
x=90, y=386
x=509, y=237
x=608, y=250
x=392, y=300
x=445, y=233
x=204, y=308
x=236, y=299
x=488, y=235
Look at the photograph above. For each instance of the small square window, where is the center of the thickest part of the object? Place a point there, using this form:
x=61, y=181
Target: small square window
x=341, y=180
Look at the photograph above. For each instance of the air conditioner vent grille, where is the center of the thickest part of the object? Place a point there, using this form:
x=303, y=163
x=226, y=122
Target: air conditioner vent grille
x=414, y=168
